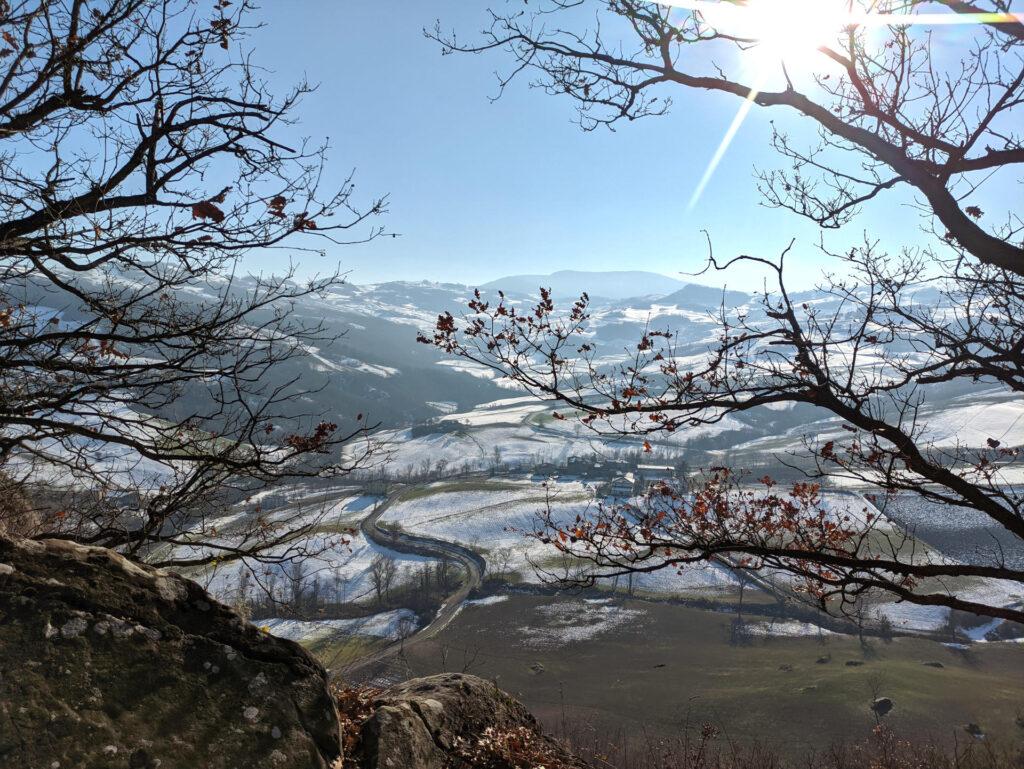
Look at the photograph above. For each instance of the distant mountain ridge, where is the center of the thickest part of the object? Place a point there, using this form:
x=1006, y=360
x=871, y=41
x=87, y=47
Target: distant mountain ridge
x=697, y=297
x=615, y=285
x=376, y=367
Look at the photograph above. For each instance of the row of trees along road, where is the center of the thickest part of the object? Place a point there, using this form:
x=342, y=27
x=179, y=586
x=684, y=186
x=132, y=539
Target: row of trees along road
x=142, y=155
x=891, y=109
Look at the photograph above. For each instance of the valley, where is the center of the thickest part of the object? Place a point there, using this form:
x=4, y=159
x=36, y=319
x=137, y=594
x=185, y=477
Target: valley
x=553, y=384
x=426, y=559
x=669, y=639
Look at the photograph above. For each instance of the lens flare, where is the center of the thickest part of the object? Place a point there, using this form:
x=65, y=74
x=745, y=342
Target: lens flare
x=793, y=31
x=789, y=8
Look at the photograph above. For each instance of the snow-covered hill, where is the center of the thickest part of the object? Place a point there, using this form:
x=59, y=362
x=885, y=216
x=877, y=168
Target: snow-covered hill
x=376, y=367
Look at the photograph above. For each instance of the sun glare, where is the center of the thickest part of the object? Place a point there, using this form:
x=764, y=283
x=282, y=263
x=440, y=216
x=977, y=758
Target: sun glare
x=791, y=31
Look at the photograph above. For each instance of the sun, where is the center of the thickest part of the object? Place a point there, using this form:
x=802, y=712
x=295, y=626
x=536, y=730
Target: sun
x=787, y=32
x=795, y=32
x=791, y=31
x=797, y=26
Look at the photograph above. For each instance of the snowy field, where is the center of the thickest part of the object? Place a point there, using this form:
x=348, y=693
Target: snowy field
x=964, y=422
x=339, y=561
x=520, y=433
x=697, y=579
x=969, y=422
x=913, y=618
x=481, y=447
x=496, y=416
x=910, y=618
x=494, y=522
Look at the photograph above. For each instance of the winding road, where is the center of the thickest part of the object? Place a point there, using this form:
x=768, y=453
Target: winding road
x=417, y=544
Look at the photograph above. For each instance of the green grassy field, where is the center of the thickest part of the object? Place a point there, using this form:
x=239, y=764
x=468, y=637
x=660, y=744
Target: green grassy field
x=673, y=666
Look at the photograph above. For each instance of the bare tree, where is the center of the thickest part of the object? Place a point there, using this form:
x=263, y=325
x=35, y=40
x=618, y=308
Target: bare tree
x=500, y=561
x=383, y=569
x=340, y=580
x=242, y=603
x=406, y=629
x=469, y=658
x=445, y=575
x=425, y=583
x=142, y=156
x=297, y=579
x=879, y=706
x=885, y=629
x=861, y=615
x=895, y=329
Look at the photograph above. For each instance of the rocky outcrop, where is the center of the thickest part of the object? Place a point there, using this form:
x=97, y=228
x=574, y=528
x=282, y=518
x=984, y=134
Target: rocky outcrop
x=451, y=720
x=104, y=663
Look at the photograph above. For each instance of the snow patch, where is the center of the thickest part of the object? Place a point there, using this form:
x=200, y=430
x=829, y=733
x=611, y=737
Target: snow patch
x=788, y=629
x=487, y=601
x=574, y=621
x=390, y=626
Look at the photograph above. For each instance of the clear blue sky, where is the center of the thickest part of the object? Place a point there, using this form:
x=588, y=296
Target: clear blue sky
x=481, y=189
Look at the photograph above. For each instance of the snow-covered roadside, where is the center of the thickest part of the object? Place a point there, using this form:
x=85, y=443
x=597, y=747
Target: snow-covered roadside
x=488, y=601
x=390, y=626
x=337, y=560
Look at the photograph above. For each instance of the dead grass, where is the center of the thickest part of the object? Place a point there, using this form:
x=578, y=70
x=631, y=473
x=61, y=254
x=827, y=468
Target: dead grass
x=675, y=666
x=705, y=748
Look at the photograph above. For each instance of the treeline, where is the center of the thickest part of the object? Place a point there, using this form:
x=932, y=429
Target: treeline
x=298, y=593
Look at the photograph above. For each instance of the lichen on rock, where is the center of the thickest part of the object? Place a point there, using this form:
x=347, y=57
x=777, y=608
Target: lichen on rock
x=106, y=663
x=449, y=721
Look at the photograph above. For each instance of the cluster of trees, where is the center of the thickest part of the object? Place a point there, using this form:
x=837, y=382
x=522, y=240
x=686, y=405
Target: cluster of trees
x=294, y=590
x=420, y=588
x=890, y=111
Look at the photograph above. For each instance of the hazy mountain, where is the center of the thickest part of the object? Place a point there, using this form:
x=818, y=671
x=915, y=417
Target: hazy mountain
x=615, y=285
x=699, y=298
x=377, y=368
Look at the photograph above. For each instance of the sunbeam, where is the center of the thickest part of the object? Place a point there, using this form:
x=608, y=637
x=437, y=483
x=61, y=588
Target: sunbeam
x=723, y=146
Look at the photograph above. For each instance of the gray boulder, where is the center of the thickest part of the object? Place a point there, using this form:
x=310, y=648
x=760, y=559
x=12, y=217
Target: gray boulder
x=444, y=721
x=975, y=731
x=882, y=706
x=105, y=663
